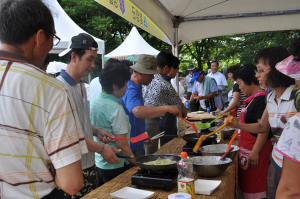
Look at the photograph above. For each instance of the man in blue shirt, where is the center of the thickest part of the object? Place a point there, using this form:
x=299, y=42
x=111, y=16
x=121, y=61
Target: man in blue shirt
x=206, y=90
x=133, y=102
x=190, y=85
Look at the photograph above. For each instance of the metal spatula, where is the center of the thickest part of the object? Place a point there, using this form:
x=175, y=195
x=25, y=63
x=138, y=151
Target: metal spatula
x=133, y=139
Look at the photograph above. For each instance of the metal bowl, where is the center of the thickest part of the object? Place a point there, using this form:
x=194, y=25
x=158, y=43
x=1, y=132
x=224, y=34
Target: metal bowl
x=210, y=166
x=218, y=150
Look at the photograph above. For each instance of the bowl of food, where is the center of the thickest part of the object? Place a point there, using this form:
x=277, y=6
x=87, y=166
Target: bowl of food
x=210, y=166
x=218, y=150
x=227, y=132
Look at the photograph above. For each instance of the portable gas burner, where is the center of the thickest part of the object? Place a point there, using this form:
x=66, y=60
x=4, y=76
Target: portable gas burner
x=161, y=179
x=188, y=147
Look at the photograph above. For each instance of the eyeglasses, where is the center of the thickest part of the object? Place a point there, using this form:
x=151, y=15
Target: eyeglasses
x=56, y=39
x=259, y=71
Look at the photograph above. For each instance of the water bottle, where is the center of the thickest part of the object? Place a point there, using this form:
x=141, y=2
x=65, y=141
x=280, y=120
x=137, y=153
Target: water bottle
x=185, y=178
x=187, y=104
x=208, y=110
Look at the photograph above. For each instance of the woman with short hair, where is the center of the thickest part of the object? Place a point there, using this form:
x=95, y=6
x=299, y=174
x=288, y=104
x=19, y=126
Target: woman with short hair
x=254, y=153
x=107, y=113
x=235, y=96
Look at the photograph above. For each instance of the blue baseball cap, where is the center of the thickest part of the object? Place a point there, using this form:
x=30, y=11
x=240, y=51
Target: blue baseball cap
x=196, y=75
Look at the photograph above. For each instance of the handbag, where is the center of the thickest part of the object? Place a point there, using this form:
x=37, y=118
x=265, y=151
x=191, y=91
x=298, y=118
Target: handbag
x=233, y=112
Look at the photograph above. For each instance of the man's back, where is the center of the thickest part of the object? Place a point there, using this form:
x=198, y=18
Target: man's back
x=37, y=127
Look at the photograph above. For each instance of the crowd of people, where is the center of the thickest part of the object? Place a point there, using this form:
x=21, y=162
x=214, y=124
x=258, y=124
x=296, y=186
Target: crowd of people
x=59, y=142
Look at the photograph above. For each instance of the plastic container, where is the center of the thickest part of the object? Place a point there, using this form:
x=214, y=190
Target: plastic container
x=185, y=178
x=179, y=196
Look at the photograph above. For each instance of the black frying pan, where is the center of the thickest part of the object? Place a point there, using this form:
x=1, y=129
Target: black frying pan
x=147, y=158
x=192, y=138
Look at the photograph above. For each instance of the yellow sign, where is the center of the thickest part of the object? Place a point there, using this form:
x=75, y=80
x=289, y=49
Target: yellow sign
x=130, y=12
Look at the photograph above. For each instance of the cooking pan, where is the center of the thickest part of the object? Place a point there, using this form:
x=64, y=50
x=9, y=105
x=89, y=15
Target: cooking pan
x=147, y=158
x=192, y=138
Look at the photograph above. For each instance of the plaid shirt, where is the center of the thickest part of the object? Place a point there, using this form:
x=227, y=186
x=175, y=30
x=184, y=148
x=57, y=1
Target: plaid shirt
x=38, y=126
x=160, y=93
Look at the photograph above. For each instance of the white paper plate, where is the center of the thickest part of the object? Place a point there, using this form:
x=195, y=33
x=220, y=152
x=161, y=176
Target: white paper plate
x=130, y=193
x=198, y=112
x=206, y=187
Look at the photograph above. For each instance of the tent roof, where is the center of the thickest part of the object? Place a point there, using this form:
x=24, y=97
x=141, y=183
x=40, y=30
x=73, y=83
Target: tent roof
x=66, y=28
x=210, y=18
x=134, y=44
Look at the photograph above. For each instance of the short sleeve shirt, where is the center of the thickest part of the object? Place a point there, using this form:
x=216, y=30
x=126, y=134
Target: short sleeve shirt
x=188, y=82
x=133, y=98
x=242, y=97
x=255, y=111
x=279, y=114
x=38, y=125
x=220, y=78
x=289, y=142
x=198, y=86
x=160, y=93
x=108, y=114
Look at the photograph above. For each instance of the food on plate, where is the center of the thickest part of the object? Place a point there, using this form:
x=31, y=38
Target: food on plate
x=160, y=161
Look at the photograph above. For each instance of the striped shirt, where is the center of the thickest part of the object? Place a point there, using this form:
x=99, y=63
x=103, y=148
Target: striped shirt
x=82, y=105
x=38, y=126
x=287, y=106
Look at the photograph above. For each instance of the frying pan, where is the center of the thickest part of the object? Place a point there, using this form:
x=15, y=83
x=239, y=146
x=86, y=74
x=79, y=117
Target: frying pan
x=147, y=158
x=192, y=138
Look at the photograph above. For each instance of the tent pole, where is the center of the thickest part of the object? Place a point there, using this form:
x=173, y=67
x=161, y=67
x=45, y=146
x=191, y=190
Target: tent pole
x=102, y=61
x=175, y=45
x=103, y=57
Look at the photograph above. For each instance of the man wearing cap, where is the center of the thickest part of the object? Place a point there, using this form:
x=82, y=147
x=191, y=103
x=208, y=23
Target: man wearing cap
x=133, y=102
x=206, y=90
x=80, y=57
x=188, y=81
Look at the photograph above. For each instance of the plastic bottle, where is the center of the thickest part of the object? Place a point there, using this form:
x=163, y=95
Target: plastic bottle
x=185, y=178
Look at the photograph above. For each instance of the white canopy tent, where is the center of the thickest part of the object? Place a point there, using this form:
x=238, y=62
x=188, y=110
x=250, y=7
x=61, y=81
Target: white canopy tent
x=66, y=28
x=184, y=21
x=133, y=45
x=55, y=67
x=199, y=19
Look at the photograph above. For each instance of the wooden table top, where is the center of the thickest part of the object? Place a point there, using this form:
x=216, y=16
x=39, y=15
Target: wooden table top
x=200, y=116
x=227, y=188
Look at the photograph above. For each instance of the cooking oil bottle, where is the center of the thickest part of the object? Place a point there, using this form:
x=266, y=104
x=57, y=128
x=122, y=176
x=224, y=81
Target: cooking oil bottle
x=185, y=178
